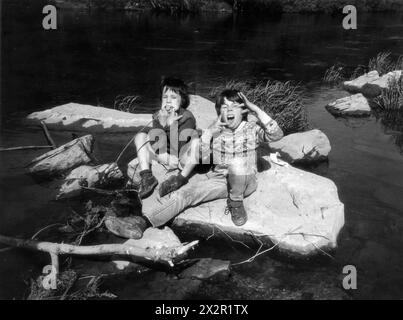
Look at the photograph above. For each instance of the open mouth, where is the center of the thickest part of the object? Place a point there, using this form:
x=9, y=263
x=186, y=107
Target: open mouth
x=168, y=108
x=230, y=118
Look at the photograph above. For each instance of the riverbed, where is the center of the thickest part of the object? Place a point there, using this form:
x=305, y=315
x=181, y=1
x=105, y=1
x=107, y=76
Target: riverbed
x=95, y=56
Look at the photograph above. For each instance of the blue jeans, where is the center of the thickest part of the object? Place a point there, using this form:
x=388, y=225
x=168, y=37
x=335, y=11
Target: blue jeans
x=220, y=183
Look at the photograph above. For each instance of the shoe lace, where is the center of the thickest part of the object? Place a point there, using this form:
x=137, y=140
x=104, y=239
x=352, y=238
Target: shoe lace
x=227, y=210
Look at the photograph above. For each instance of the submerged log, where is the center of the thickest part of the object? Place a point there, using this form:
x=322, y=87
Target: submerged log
x=83, y=177
x=59, y=161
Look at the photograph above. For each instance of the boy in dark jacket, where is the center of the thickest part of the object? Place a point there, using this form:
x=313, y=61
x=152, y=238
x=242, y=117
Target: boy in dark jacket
x=172, y=129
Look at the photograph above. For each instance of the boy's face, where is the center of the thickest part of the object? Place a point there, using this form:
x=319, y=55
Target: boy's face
x=231, y=113
x=171, y=100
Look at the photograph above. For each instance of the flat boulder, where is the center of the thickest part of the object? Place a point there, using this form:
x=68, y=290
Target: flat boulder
x=374, y=88
x=297, y=211
x=355, y=85
x=355, y=105
x=82, y=117
x=303, y=147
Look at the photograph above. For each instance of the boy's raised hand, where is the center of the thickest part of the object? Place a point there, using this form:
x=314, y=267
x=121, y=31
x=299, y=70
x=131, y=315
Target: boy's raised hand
x=249, y=105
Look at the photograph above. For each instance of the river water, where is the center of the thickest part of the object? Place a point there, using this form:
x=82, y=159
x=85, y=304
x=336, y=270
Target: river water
x=93, y=57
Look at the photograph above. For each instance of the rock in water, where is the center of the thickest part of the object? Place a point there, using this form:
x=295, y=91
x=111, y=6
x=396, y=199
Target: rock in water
x=298, y=211
x=355, y=105
x=203, y=111
x=208, y=269
x=355, y=85
x=83, y=117
x=374, y=88
x=303, y=147
x=101, y=176
x=157, y=239
x=61, y=160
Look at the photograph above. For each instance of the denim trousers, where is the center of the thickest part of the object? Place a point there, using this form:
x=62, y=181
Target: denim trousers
x=219, y=183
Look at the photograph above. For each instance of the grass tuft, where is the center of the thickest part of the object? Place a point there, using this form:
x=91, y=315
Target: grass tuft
x=382, y=63
x=334, y=75
x=281, y=100
x=126, y=103
x=392, y=97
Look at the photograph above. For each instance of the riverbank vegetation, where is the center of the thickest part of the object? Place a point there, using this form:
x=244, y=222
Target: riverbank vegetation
x=390, y=98
x=281, y=100
x=272, y=6
x=383, y=62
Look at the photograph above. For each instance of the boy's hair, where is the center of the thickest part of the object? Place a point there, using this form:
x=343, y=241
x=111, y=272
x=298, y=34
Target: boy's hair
x=178, y=86
x=231, y=95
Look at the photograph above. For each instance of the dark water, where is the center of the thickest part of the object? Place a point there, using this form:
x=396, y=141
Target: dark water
x=93, y=57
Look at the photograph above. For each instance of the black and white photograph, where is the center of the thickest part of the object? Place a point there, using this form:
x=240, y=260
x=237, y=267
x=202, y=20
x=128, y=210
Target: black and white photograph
x=217, y=151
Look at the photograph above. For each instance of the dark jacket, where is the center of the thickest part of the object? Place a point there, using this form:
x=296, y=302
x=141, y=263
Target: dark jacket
x=187, y=121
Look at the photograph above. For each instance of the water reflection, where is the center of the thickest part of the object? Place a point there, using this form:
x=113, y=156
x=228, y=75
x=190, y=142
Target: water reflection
x=392, y=122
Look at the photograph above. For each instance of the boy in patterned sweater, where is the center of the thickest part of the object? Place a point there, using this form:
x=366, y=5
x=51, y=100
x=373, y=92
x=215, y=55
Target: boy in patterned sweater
x=234, y=140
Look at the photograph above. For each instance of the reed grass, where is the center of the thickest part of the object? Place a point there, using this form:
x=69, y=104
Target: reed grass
x=281, y=100
x=392, y=97
x=126, y=103
x=335, y=74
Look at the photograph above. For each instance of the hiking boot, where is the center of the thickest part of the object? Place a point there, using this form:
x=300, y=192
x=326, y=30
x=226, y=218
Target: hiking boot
x=131, y=227
x=238, y=213
x=147, y=184
x=171, y=184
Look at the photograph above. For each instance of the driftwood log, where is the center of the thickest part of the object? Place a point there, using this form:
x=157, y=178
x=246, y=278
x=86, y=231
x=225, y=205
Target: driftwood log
x=84, y=177
x=165, y=255
x=59, y=161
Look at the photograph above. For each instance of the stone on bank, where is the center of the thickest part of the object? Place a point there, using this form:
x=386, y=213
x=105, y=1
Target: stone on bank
x=356, y=105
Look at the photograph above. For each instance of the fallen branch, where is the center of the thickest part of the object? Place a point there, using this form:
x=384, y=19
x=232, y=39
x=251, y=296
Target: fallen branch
x=163, y=255
x=49, y=139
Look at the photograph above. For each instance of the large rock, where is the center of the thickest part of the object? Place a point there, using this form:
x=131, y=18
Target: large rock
x=298, y=211
x=303, y=147
x=63, y=159
x=82, y=117
x=374, y=88
x=355, y=105
x=355, y=85
x=371, y=84
x=203, y=111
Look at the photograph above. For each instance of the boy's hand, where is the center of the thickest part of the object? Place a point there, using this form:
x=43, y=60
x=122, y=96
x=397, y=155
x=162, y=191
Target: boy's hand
x=218, y=125
x=249, y=105
x=163, y=117
x=167, y=118
x=172, y=117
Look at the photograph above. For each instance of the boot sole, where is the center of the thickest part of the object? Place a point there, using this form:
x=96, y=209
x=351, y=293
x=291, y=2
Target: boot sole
x=149, y=193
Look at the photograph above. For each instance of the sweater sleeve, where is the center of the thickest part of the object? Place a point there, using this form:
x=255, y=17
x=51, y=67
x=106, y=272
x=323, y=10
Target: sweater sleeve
x=269, y=131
